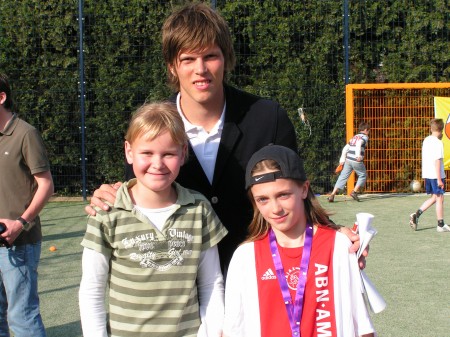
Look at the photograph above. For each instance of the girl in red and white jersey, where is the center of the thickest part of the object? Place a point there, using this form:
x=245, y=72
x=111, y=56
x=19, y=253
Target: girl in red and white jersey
x=294, y=275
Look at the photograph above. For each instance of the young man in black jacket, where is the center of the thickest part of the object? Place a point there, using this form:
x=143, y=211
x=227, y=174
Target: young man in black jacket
x=225, y=125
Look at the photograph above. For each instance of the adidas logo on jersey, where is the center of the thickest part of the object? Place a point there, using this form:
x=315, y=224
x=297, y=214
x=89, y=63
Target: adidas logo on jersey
x=268, y=275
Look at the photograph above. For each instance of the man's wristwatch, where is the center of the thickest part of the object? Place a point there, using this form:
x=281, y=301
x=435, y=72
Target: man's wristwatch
x=25, y=224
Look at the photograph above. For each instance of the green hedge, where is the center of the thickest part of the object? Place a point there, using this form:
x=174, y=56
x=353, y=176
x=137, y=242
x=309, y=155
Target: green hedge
x=291, y=51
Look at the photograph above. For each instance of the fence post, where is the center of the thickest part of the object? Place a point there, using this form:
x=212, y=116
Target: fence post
x=348, y=94
x=82, y=96
x=346, y=43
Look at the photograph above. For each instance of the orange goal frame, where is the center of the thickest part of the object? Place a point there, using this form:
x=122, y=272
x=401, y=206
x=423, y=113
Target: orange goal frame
x=399, y=115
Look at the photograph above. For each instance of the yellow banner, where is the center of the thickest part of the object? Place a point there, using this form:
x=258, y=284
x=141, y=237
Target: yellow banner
x=442, y=110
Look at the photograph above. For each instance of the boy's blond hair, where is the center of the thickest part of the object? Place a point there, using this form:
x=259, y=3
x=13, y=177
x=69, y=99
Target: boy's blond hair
x=437, y=124
x=193, y=28
x=153, y=119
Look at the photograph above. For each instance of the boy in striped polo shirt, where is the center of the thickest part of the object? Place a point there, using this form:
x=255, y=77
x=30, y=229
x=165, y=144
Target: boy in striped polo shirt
x=157, y=248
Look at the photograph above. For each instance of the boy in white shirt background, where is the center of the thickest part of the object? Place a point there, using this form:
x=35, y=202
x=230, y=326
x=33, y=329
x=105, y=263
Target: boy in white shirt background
x=434, y=175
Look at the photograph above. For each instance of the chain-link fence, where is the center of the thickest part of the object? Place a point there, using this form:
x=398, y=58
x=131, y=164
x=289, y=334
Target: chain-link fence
x=80, y=67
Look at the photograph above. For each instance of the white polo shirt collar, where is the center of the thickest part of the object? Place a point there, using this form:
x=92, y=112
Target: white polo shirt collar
x=205, y=144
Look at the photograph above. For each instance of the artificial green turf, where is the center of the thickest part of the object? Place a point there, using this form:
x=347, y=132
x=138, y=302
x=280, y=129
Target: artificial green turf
x=410, y=269
x=63, y=225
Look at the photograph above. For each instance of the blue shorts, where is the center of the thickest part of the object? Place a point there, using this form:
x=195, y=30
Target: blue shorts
x=431, y=186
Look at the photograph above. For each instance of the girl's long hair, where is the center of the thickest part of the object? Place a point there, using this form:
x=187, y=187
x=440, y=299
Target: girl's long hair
x=315, y=213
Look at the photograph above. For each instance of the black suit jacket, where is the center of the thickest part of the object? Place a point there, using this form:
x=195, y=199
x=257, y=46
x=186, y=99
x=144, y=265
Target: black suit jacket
x=251, y=122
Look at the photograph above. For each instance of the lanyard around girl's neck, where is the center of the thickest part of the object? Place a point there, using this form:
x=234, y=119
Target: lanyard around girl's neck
x=294, y=310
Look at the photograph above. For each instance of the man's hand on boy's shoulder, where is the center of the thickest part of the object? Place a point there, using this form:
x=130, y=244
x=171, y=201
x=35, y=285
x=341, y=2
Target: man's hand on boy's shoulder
x=106, y=192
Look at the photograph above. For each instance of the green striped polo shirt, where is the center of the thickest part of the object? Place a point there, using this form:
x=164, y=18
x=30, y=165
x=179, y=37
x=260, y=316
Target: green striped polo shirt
x=152, y=284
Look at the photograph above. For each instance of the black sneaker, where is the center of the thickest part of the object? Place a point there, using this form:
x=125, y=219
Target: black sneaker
x=354, y=195
x=413, y=221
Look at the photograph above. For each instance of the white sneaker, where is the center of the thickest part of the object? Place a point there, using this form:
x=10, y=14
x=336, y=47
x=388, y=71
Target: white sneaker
x=445, y=228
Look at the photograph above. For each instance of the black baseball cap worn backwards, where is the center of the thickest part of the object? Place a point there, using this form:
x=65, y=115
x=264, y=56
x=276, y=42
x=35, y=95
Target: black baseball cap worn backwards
x=290, y=163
